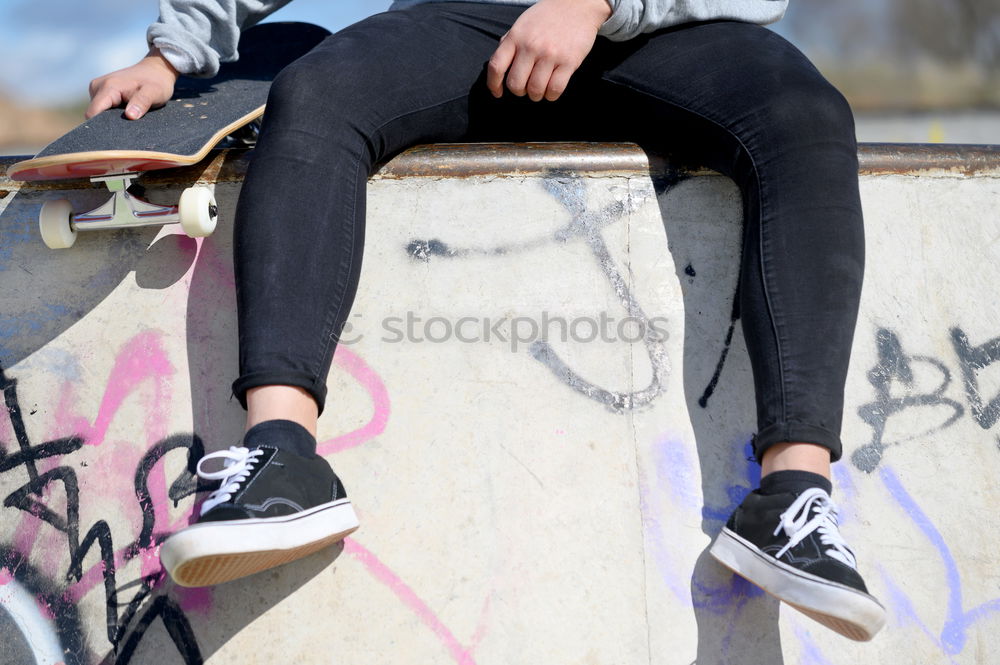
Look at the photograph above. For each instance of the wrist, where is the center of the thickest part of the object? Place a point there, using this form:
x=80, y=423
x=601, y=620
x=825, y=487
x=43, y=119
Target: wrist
x=600, y=10
x=156, y=57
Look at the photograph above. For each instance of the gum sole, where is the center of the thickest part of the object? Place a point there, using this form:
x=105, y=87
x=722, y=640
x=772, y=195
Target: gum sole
x=749, y=563
x=210, y=570
x=845, y=628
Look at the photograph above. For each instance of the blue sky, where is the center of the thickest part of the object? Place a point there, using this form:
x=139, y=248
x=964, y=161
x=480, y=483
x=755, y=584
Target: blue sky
x=51, y=49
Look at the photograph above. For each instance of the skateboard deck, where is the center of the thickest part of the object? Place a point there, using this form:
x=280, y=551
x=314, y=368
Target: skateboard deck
x=201, y=113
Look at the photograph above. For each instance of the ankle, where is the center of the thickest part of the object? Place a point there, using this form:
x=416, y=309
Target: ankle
x=291, y=403
x=794, y=456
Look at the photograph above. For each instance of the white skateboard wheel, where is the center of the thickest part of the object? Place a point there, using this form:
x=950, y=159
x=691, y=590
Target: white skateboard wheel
x=54, y=222
x=197, y=211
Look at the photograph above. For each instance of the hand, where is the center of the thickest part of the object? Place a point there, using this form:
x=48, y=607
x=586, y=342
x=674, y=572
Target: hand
x=543, y=48
x=144, y=85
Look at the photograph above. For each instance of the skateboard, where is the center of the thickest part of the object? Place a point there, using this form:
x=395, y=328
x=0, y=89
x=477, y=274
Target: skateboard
x=115, y=151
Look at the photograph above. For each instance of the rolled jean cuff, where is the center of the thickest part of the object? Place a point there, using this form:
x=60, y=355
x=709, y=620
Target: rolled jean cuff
x=307, y=382
x=792, y=432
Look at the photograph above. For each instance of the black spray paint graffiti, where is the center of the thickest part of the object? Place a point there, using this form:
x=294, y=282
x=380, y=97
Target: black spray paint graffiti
x=570, y=191
x=974, y=359
x=124, y=628
x=896, y=391
x=713, y=383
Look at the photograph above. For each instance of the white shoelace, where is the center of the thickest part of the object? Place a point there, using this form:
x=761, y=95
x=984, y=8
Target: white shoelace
x=238, y=463
x=797, y=525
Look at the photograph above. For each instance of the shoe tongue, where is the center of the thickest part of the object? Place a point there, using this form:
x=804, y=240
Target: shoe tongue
x=793, y=482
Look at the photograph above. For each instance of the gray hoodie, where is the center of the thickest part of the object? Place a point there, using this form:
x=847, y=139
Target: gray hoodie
x=196, y=35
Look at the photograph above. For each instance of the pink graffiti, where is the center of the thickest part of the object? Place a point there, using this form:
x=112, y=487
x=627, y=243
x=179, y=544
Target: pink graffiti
x=462, y=655
x=26, y=533
x=143, y=363
x=6, y=429
x=210, y=257
x=142, y=370
x=352, y=363
x=194, y=599
x=143, y=358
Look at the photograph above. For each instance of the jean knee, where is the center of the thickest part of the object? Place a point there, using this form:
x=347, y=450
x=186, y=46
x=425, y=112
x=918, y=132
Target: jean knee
x=813, y=110
x=315, y=108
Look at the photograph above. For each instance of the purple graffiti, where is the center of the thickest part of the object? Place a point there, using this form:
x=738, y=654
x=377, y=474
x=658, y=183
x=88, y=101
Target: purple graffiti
x=959, y=621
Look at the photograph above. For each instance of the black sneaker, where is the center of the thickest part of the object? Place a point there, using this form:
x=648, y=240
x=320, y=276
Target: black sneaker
x=790, y=546
x=272, y=507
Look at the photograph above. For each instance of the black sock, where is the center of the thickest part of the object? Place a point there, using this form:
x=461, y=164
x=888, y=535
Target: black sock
x=793, y=482
x=281, y=434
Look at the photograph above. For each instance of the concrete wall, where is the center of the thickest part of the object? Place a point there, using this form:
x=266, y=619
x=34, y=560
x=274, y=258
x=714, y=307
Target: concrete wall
x=521, y=501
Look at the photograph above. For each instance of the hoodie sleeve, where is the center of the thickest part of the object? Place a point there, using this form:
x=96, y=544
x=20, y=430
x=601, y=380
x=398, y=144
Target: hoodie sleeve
x=195, y=36
x=630, y=18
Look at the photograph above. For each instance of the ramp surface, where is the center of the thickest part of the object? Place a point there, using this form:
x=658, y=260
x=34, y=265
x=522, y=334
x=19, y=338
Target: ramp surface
x=537, y=481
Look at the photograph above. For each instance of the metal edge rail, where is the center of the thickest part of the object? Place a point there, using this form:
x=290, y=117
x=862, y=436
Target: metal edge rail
x=458, y=160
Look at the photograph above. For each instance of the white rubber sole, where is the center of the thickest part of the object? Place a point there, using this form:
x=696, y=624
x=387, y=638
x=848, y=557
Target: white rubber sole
x=217, y=552
x=850, y=612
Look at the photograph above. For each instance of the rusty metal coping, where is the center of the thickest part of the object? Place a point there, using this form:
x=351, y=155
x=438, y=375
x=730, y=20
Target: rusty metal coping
x=471, y=159
x=524, y=159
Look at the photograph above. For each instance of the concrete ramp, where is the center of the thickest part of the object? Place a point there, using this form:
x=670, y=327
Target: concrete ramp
x=542, y=415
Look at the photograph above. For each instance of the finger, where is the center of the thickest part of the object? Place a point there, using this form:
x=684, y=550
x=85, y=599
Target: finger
x=139, y=103
x=94, y=86
x=520, y=72
x=538, y=82
x=499, y=63
x=105, y=98
x=558, y=82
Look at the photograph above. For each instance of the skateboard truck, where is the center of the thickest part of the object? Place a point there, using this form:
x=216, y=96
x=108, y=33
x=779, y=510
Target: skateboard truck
x=196, y=212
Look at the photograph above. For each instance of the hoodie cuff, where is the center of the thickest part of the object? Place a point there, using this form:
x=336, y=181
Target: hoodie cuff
x=201, y=61
x=613, y=27
x=177, y=58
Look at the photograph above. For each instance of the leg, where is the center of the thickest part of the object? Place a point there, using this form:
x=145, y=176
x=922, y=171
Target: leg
x=759, y=112
x=754, y=108
x=265, y=403
x=799, y=456
x=374, y=89
x=381, y=85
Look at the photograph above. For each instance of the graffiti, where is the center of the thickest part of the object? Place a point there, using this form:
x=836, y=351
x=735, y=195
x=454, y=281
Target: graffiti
x=462, y=655
x=35, y=497
x=586, y=225
x=730, y=610
x=85, y=585
x=958, y=620
x=728, y=597
x=52, y=632
x=973, y=360
x=713, y=383
x=903, y=382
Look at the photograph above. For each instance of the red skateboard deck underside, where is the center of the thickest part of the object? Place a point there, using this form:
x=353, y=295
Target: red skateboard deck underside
x=100, y=165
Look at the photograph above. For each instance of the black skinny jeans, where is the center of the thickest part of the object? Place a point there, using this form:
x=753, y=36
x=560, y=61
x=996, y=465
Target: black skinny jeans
x=734, y=96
